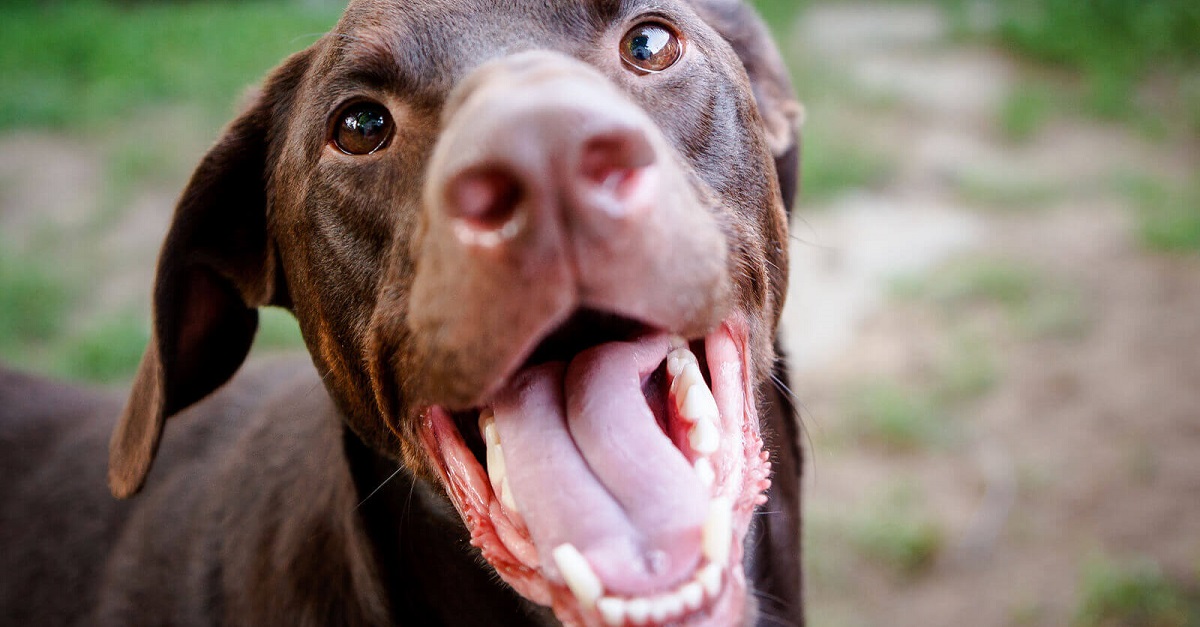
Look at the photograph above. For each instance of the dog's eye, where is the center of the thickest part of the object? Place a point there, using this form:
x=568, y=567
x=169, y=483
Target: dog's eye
x=362, y=128
x=651, y=47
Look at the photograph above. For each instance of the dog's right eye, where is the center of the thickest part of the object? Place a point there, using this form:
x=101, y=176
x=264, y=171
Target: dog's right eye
x=362, y=128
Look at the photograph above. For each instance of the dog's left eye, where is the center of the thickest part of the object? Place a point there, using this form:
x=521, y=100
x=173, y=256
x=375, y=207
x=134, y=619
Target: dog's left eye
x=651, y=47
x=362, y=128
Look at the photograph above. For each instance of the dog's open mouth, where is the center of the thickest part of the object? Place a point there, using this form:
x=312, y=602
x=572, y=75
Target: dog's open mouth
x=614, y=481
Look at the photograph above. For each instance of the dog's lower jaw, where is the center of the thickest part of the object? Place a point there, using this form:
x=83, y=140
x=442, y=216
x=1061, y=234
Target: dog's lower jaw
x=713, y=592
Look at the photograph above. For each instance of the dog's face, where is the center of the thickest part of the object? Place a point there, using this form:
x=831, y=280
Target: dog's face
x=537, y=251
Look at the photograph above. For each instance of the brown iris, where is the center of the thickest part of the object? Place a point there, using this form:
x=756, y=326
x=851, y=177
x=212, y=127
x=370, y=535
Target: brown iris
x=362, y=128
x=651, y=47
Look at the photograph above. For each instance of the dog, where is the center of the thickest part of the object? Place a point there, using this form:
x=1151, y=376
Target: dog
x=538, y=254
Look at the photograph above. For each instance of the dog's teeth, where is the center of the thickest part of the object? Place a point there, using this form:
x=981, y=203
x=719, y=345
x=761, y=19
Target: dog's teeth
x=487, y=424
x=692, y=595
x=710, y=578
x=679, y=358
x=704, y=470
x=698, y=404
x=665, y=607
x=718, y=531
x=689, y=376
x=578, y=574
x=638, y=611
x=495, y=466
x=507, y=500
x=704, y=437
x=612, y=610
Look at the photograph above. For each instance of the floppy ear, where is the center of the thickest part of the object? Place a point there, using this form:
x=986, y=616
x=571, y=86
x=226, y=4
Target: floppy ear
x=215, y=268
x=782, y=114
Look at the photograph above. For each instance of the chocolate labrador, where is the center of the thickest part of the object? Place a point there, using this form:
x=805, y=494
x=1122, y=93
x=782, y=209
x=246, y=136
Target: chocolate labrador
x=538, y=253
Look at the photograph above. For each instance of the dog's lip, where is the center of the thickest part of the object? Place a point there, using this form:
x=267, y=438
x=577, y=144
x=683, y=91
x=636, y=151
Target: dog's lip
x=743, y=468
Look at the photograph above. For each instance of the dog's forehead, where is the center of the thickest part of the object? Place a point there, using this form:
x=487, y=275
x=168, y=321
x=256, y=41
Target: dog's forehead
x=428, y=45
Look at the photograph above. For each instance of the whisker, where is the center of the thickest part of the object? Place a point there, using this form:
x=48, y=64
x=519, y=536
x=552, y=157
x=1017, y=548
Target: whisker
x=380, y=487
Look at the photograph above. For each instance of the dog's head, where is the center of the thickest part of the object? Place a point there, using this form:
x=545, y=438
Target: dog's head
x=538, y=252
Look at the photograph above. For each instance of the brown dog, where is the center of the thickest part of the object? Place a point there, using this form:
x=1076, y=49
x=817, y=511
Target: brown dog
x=538, y=253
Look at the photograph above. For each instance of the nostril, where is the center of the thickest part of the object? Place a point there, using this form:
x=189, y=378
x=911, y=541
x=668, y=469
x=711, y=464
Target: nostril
x=485, y=199
x=612, y=160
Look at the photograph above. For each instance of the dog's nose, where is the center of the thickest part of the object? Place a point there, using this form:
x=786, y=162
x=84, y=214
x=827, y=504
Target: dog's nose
x=556, y=163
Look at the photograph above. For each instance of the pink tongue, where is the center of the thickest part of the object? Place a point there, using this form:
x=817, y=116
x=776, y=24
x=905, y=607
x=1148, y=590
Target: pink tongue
x=589, y=465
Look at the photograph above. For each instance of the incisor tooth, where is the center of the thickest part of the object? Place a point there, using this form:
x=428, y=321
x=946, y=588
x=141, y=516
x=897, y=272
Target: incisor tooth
x=669, y=606
x=718, y=531
x=612, y=610
x=710, y=578
x=704, y=470
x=699, y=404
x=688, y=376
x=578, y=574
x=704, y=437
x=638, y=611
x=692, y=595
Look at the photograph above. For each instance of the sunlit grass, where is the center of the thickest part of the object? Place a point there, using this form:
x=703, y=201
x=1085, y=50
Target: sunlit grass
x=1134, y=593
x=79, y=63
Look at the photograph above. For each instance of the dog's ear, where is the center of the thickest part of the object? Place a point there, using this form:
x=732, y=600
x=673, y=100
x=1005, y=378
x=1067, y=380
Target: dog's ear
x=781, y=112
x=215, y=268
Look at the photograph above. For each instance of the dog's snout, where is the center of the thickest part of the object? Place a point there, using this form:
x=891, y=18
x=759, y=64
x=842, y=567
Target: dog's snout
x=554, y=163
x=615, y=168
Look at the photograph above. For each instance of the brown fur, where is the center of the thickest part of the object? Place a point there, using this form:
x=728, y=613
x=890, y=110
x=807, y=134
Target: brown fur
x=255, y=513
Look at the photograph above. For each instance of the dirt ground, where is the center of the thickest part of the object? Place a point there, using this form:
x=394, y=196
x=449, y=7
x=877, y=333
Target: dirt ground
x=1039, y=366
x=1080, y=446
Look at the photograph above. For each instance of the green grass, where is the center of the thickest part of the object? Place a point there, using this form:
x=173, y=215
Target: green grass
x=1168, y=214
x=896, y=532
x=78, y=63
x=1034, y=305
x=105, y=352
x=34, y=302
x=989, y=190
x=970, y=281
x=835, y=163
x=896, y=417
x=277, y=330
x=1133, y=594
x=1024, y=111
x=966, y=372
x=1114, y=44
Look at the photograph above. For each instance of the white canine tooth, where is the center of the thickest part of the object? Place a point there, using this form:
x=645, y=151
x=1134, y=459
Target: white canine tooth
x=699, y=404
x=507, y=500
x=612, y=610
x=704, y=437
x=718, y=531
x=704, y=470
x=677, y=359
x=487, y=424
x=578, y=574
x=710, y=578
x=692, y=595
x=495, y=466
x=673, y=365
x=689, y=376
x=638, y=611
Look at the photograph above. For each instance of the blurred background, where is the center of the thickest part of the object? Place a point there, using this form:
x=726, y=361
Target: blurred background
x=995, y=305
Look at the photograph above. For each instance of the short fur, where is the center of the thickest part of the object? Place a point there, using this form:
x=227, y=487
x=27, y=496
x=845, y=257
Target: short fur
x=261, y=508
